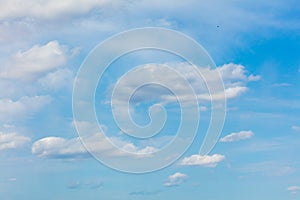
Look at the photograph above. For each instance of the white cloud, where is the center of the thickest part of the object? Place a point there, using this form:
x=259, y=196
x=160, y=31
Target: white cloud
x=12, y=110
x=254, y=77
x=234, y=77
x=242, y=135
x=206, y=161
x=60, y=79
x=35, y=62
x=51, y=9
x=233, y=71
x=176, y=179
x=293, y=189
x=12, y=141
x=57, y=147
x=296, y=128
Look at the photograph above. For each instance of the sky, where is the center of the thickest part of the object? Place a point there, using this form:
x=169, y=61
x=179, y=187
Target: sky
x=49, y=152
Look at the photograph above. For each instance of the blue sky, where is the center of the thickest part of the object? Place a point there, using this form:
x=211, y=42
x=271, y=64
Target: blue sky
x=255, y=45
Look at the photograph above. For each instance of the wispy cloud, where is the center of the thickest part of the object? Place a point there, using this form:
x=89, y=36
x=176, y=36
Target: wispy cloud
x=11, y=110
x=12, y=141
x=293, y=189
x=281, y=84
x=145, y=193
x=242, y=135
x=268, y=168
x=75, y=185
x=296, y=128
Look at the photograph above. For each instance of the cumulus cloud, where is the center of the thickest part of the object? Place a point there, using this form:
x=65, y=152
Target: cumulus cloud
x=61, y=148
x=12, y=141
x=234, y=72
x=60, y=79
x=12, y=110
x=36, y=61
x=199, y=160
x=176, y=179
x=234, y=77
x=56, y=147
x=242, y=135
x=293, y=189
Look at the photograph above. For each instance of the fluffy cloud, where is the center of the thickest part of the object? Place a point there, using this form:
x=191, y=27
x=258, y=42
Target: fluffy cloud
x=233, y=71
x=57, y=147
x=242, y=135
x=176, y=179
x=12, y=110
x=36, y=61
x=25, y=106
x=206, y=161
x=234, y=77
x=12, y=141
x=52, y=9
x=60, y=79
x=293, y=189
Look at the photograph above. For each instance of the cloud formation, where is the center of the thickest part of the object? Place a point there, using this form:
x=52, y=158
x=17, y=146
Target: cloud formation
x=36, y=61
x=293, y=189
x=205, y=161
x=74, y=185
x=60, y=79
x=242, y=135
x=234, y=78
x=48, y=9
x=60, y=148
x=14, y=110
x=12, y=141
x=176, y=179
